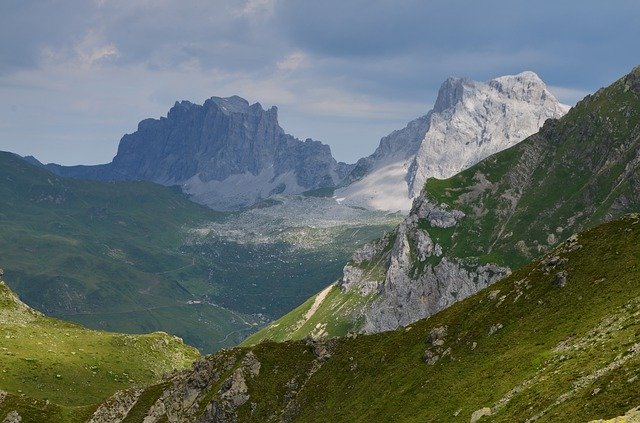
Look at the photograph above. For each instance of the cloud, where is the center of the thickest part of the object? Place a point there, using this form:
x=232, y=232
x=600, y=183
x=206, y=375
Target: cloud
x=82, y=73
x=292, y=62
x=257, y=8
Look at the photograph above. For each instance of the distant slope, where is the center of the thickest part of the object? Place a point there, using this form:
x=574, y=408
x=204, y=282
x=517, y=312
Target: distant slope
x=468, y=231
x=49, y=359
x=557, y=341
x=108, y=255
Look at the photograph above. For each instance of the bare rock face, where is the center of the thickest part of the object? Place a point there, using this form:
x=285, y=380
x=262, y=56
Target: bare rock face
x=404, y=292
x=226, y=154
x=473, y=120
x=469, y=121
x=116, y=408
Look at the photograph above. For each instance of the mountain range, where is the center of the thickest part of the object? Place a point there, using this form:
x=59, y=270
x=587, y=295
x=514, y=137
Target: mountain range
x=228, y=154
x=508, y=293
x=466, y=232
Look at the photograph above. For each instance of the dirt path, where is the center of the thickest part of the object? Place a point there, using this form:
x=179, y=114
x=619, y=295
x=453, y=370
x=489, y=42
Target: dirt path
x=316, y=303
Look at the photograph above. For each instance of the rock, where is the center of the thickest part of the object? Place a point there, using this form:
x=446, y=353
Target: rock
x=234, y=389
x=561, y=279
x=495, y=328
x=478, y=414
x=226, y=154
x=12, y=417
x=430, y=357
x=251, y=363
x=425, y=247
x=116, y=408
x=437, y=335
x=320, y=348
x=438, y=216
x=493, y=294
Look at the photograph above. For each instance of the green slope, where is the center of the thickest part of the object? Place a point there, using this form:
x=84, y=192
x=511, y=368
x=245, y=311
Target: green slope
x=527, y=348
x=108, y=255
x=60, y=369
x=577, y=172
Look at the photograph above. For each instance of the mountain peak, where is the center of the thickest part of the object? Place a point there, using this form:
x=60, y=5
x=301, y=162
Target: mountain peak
x=451, y=92
x=526, y=86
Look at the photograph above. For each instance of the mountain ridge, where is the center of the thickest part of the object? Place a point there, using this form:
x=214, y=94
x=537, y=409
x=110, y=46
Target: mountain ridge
x=534, y=347
x=468, y=231
x=226, y=154
x=469, y=121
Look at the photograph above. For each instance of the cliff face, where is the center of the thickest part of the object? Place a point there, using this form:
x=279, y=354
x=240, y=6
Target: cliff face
x=225, y=153
x=466, y=232
x=528, y=348
x=470, y=121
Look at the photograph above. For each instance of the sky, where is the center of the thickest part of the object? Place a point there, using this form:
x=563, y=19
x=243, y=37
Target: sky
x=77, y=75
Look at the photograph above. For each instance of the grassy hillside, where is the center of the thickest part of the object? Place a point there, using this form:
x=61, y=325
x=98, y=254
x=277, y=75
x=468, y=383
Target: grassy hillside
x=62, y=368
x=557, y=341
x=108, y=255
x=127, y=256
x=577, y=172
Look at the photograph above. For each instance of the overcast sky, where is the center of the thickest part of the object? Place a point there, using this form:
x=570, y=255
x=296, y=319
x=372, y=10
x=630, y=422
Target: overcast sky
x=77, y=75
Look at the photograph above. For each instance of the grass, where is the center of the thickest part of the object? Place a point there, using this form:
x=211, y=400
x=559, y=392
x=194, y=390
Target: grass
x=560, y=354
x=43, y=358
x=114, y=256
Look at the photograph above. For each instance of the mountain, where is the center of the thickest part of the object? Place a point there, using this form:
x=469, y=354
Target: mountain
x=226, y=154
x=108, y=255
x=556, y=341
x=66, y=367
x=466, y=232
x=139, y=257
x=469, y=121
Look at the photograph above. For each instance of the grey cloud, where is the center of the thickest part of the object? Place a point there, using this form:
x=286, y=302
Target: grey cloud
x=379, y=61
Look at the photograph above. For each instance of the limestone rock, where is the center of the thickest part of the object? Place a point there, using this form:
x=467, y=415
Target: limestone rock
x=478, y=414
x=226, y=154
x=12, y=417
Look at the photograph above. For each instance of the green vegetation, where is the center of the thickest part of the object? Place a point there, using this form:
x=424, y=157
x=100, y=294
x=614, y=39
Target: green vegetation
x=573, y=174
x=526, y=348
x=577, y=172
x=53, y=368
x=333, y=313
x=121, y=257
x=107, y=255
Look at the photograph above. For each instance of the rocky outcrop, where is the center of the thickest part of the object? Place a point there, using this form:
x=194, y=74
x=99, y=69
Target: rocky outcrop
x=115, y=409
x=12, y=417
x=574, y=173
x=473, y=120
x=410, y=287
x=225, y=153
x=469, y=121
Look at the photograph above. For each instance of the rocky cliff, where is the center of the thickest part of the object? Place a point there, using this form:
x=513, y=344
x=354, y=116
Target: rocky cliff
x=469, y=121
x=526, y=349
x=226, y=154
x=466, y=232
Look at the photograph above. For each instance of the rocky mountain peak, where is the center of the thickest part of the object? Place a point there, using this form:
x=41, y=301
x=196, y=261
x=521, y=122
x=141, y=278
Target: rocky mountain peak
x=225, y=153
x=470, y=120
x=526, y=86
x=451, y=93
